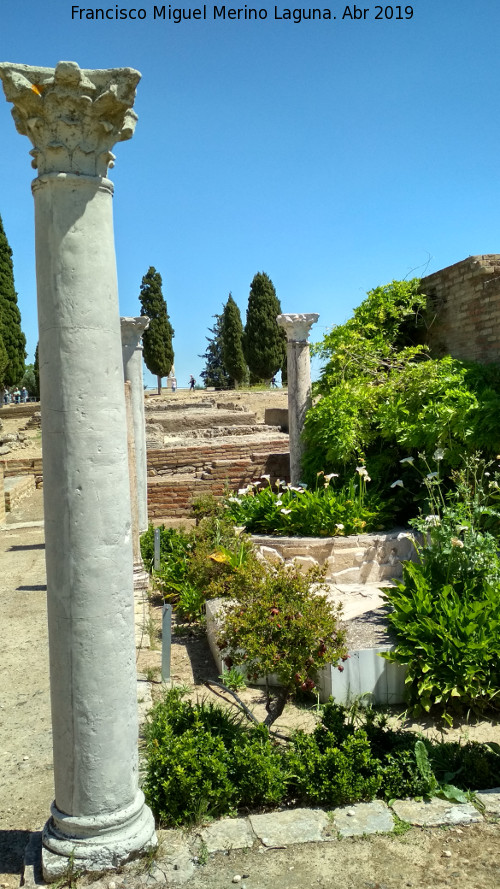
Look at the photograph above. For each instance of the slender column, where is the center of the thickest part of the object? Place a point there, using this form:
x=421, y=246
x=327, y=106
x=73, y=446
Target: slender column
x=132, y=330
x=297, y=329
x=73, y=117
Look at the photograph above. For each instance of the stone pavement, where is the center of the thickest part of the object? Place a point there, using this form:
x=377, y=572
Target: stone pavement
x=180, y=854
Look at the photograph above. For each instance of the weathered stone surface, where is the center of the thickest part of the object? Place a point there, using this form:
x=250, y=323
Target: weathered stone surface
x=100, y=101
x=271, y=554
x=294, y=826
x=227, y=834
x=363, y=818
x=432, y=813
x=490, y=799
x=175, y=860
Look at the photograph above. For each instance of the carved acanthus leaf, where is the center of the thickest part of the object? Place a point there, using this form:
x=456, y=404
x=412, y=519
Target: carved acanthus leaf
x=73, y=117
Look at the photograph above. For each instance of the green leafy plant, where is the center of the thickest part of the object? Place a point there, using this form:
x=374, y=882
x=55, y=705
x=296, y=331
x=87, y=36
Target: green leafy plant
x=203, y=761
x=280, y=626
x=298, y=510
x=382, y=396
x=233, y=679
x=446, y=611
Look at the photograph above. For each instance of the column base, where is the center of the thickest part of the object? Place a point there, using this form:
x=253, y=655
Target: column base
x=96, y=843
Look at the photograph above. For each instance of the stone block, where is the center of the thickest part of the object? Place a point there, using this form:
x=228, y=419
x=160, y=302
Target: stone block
x=227, y=834
x=294, y=826
x=434, y=812
x=363, y=818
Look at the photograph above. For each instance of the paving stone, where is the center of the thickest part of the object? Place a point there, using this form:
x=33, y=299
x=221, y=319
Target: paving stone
x=294, y=826
x=174, y=858
x=432, y=813
x=490, y=800
x=363, y=818
x=226, y=834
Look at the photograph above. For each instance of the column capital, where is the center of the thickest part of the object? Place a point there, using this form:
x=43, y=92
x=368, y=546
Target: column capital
x=133, y=328
x=297, y=326
x=72, y=116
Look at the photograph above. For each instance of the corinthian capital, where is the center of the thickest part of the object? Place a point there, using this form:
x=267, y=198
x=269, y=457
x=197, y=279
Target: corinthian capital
x=72, y=116
x=297, y=326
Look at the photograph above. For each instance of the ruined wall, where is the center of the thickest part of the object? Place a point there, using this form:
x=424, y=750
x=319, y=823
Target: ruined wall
x=464, y=309
x=178, y=476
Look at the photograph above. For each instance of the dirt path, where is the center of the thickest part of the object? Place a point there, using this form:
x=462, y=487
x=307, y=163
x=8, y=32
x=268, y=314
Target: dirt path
x=26, y=783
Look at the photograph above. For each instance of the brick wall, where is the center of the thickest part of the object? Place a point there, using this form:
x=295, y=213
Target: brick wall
x=178, y=476
x=464, y=309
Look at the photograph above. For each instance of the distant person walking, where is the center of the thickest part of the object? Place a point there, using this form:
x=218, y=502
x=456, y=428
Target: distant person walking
x=192, y=382
x=24, y=395
x=174, y=384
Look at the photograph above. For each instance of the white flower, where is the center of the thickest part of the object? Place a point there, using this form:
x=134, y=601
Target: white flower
x=438, y=454
x=456, y=542
x=293, y=488
x=267, y=477
x=487, y=474
x=279, y=502
x=410, y=460
x=243, y=491
x=286, y=511
x=363, y=473
x=256, y=484
x=432, y=520
x=234, y=500
x=319, y=473
x=398, y=484
x=431, y=475
x=340, y=526
x=331, y=475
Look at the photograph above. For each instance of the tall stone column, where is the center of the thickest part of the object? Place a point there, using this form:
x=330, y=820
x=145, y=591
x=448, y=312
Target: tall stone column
x=297, y=329
x=132, y=330
x=73, y=118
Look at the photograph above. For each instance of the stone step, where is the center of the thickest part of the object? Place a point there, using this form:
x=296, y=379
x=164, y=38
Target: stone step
x=177, y=421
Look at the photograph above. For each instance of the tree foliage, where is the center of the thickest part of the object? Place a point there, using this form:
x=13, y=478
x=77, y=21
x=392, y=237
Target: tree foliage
x=384, y=397
x=231, y=342
x=264, y=343
x=157, y=339
x=13, y=338
x=215, y=373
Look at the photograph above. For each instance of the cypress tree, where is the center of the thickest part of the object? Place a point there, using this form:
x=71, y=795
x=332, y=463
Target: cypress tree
x=36, y=373
x=231, y=341
x=4, y=360
x=215, y=373
x=13, y=338
x=264, y=343
x=157, y=339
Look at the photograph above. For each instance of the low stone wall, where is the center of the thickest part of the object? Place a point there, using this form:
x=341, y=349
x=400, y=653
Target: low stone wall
x=22, y=466
x=367, y=558
x=178, y=476
x=16, y=488
x=19, y=410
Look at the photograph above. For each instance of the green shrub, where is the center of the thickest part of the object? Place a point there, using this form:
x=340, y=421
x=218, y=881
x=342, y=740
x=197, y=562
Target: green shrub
x=202, y=762
x=446, y=613
x=296, y=510
x=280, y=626
x=383, y=397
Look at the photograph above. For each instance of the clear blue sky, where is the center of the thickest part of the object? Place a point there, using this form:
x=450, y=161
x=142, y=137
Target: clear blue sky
x=334, y=155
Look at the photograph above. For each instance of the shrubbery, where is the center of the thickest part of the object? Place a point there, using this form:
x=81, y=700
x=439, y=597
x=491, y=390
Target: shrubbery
x=325, y=510
x=446, y=613
x=383, y=397
x=203, y=762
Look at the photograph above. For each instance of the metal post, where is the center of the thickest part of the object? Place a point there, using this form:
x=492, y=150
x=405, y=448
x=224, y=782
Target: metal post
x=166, y=642
x=156, y=562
